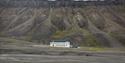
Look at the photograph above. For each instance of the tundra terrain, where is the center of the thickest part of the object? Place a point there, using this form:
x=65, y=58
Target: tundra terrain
x=27, y=27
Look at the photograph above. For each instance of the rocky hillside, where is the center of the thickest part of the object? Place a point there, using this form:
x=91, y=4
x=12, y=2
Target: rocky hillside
x=101, y=26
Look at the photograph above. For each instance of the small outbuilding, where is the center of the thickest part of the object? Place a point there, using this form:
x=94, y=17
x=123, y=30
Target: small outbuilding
x=60, y=43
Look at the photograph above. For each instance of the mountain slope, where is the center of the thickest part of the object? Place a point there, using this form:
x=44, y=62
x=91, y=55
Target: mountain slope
x=85, y=26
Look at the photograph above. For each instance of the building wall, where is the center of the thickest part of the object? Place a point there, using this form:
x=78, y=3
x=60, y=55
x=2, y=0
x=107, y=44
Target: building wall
x=60, y=44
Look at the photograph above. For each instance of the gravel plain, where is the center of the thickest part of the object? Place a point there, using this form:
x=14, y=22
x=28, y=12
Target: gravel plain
x=30, y=58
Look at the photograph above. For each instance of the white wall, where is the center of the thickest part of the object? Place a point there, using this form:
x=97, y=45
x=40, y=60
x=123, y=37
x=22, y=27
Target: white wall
x=60, y=44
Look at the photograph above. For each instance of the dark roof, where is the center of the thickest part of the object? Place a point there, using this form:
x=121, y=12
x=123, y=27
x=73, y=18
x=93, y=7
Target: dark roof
x=59, y=40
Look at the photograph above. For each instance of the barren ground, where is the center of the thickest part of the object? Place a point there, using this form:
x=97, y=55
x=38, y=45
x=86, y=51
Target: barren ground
x=44, y=54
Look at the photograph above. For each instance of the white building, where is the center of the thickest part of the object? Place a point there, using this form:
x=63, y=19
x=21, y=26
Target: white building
x=51, y=0
x=60, y=44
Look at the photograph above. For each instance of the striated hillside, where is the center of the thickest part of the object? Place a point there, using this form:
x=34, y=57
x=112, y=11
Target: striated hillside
x=101, y=26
